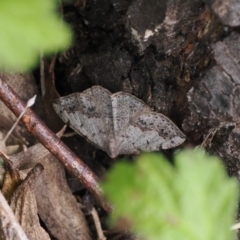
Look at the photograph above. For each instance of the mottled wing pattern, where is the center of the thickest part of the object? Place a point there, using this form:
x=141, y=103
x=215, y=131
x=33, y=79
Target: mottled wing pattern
x=166, y=129
x=149, y=131
x=89, y=114
x=117, y=123
x=124, y=107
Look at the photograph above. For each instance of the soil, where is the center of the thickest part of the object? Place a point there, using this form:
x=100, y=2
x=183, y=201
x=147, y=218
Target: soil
x=181, y=57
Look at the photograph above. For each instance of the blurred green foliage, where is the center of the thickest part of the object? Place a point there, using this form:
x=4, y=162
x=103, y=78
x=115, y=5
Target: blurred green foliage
x=193, y=199
x=29, y=27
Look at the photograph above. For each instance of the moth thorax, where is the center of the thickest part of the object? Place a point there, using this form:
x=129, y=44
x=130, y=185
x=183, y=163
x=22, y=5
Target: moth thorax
x=113, y=148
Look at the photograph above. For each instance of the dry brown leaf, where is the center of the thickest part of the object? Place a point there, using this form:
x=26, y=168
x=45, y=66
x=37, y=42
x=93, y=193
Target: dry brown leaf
x=25, y=86
x=11, y=177
x=57, y=206
x=23, y=203
x=9, y=226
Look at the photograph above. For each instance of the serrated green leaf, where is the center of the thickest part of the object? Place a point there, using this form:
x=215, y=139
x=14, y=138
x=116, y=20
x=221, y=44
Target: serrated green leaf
x=28, y=27
x=215, y=195
x=193, y=200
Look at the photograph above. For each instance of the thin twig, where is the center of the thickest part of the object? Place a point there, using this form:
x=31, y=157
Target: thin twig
x=29, y=104
x=45, y=136
x=42, y=74
x=98, y=225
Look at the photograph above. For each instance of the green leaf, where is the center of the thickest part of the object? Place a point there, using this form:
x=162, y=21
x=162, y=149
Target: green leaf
x=28, y=27
x=193, y=200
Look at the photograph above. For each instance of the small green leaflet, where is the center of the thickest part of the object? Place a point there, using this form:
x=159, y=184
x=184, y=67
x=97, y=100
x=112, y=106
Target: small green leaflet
x=192, y=200
x=28, y=27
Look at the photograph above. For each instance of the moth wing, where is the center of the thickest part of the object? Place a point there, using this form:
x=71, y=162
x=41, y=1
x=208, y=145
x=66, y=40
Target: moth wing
x=149, y=131
x=124, y=107
x=89, y=114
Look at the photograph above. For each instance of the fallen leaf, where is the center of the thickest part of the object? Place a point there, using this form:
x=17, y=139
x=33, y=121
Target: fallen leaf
x=24, y=206
x=10, y=228
x=57, y=207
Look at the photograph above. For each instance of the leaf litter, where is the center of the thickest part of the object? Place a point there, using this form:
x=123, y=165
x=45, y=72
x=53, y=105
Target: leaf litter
x=35, y=185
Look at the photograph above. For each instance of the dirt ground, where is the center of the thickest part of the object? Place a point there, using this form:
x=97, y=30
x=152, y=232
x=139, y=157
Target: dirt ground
x=181, y=57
